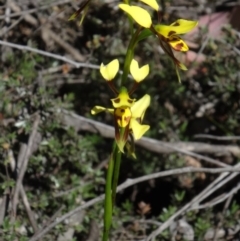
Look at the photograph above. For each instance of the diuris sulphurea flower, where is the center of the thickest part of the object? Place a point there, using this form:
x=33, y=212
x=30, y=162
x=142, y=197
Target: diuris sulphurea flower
x=167, y=34
x=128, y=116
x=128, y=113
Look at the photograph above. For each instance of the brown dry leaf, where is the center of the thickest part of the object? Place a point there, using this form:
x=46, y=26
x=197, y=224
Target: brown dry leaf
x=65, y=68
x=193, y=162
x=186, y=181
x=135, y=227
x=144, y=208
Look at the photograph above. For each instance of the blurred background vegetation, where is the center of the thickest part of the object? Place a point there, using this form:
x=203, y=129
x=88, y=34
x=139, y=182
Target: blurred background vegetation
x=63, y=167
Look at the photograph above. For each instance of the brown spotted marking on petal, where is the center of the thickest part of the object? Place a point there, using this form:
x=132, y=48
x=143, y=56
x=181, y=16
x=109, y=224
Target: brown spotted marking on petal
x=127, y=119
x=179, y=46
x=122, y=110
x=173, y=39
x=171, y=33
x=176, y=24
x=117, y=100
x=130, y=101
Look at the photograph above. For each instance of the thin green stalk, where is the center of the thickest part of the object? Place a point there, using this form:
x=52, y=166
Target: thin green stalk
x=108, y=197
x=129, y=55
x=118, y=157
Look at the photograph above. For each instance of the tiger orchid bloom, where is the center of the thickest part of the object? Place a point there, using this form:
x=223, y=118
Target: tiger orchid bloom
x=169, y=33
x=128, y=116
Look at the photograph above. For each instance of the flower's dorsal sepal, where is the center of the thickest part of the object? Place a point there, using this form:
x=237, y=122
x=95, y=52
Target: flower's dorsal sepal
x=110, y=70
x=123, y=116
x=151, y=3
x=140, y=15
x=169, y=33
x=123, y=99
x=137, y=73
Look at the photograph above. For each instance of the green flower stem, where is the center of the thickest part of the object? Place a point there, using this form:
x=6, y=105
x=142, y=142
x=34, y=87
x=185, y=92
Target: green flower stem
x=118, y=157
x=108, y=205
x=129, y=55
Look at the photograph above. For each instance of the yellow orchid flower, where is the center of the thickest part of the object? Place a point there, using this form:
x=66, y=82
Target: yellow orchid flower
x=140, y=15
x=127, y=119
x=137, y=73
x=110, y=70
x=168, y=33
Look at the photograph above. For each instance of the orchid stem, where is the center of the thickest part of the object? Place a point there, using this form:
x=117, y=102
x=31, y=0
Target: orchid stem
x=108, y=205
x=129, y=55
x=118, y=155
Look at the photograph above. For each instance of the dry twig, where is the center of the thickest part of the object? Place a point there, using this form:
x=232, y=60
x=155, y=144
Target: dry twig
x=215, y=185
x=24, y=164
x=131, y=182
x=81, y=123
x=22, y=13
x=45, y=53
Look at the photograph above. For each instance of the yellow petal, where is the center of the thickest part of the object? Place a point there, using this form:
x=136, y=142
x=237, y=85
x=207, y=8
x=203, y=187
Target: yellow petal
x=181, y=26
x=151, y=3
x=110, y=70
x=97, y=109
x=123, y=99
x=184, y=26
x=138, y=74
x=141, y=16
x=138, y=129
x=140, y=106
x=178, y=44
